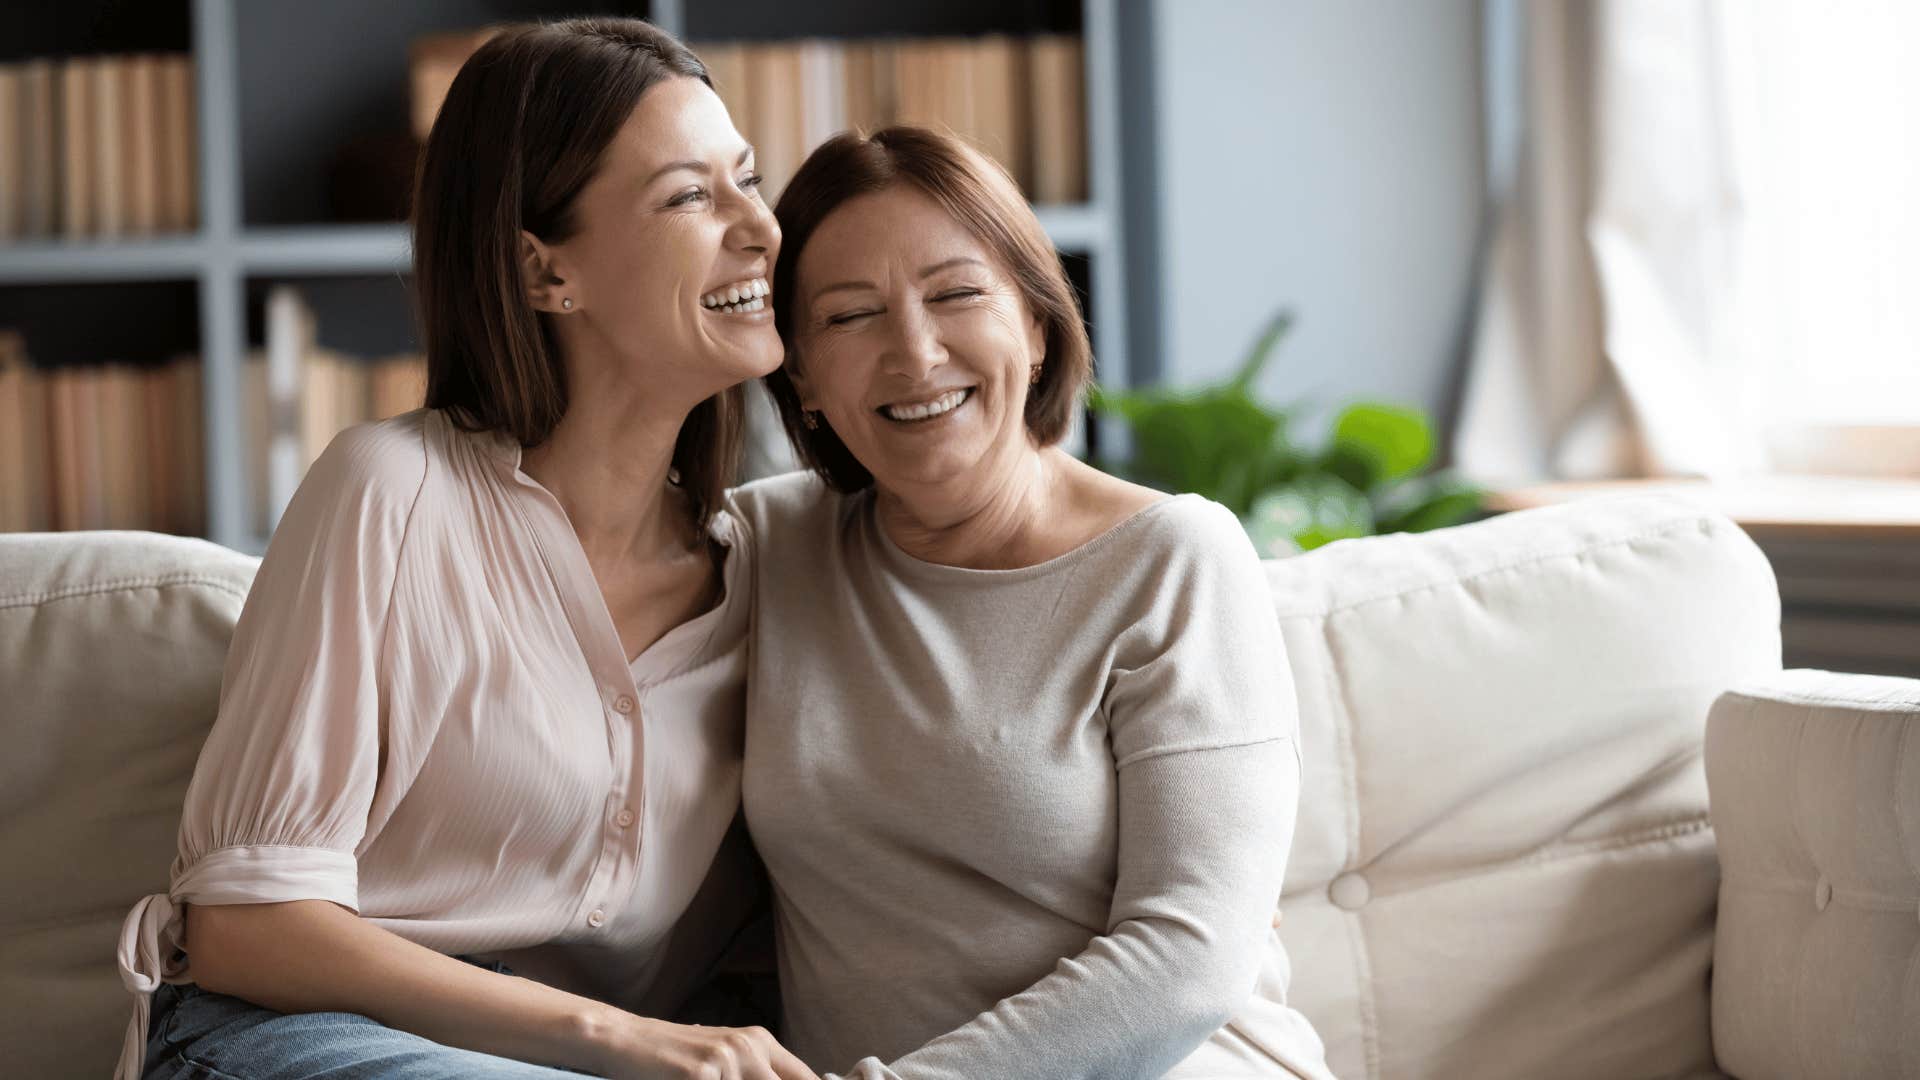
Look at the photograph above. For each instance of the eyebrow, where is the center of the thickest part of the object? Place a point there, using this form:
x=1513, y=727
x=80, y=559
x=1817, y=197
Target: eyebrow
x=693, y=166
x=927, y=272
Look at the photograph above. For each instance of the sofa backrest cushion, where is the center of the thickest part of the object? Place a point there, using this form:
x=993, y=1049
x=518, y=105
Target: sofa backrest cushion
x=111, y=647
x=1503, y=865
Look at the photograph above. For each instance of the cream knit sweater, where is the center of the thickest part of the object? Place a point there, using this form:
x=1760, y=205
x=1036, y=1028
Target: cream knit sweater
x=1027, y=823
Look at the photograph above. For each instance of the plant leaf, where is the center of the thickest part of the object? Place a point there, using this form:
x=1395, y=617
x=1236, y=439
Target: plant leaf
x=1397, y=439
x=1315, y=510
x=1262, y=350
x=1429, y=503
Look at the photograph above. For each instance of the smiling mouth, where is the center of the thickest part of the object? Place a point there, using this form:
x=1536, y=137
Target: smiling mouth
x=923, y=411
x=740, y=298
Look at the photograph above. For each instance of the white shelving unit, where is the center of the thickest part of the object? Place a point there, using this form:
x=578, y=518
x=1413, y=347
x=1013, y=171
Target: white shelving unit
x=226, y=253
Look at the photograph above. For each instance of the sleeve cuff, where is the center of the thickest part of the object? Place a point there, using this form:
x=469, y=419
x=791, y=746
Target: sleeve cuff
x=270, y=874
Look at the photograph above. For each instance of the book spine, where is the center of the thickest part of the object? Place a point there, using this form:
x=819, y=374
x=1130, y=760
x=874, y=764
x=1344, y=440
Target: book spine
x=190, y=460
x=22, y=458
x=63, y=441
x=76, y=118
x=290, y=400
x=823, y=92
x=1059, y=126
x=259, y=438
x=1000, y=106
x=142, y=116
x=159, y=468
x=179, y=149
x=39, y=149
x=109, y=145
x=120, y=442
x=12, y=155
x=399, y=385
x=774, y=91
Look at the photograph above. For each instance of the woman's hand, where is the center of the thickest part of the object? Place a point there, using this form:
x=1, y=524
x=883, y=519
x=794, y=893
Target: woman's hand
x=646, y=1049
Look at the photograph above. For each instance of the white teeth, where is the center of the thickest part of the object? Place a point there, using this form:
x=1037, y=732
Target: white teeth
x=738, y=293
x=945, y=403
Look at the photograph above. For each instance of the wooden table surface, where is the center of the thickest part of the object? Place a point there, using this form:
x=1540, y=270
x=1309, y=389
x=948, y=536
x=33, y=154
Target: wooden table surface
x=1837, y=507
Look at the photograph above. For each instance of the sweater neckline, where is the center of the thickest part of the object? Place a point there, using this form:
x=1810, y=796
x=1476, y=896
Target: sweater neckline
x=912, y=566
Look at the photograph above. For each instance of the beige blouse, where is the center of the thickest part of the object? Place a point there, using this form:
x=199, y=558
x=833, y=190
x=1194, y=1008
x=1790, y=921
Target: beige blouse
x=427, y=716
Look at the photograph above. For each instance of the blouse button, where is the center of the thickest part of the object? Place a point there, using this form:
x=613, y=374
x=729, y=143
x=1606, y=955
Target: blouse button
x=624, y=818
x=623, y=704
x=596, y=917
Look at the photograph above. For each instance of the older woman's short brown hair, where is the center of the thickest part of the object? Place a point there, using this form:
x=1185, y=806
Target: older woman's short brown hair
x=523, y=129
x=980, y=196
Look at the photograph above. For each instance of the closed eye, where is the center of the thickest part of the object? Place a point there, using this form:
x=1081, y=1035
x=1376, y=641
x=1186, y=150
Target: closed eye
x=846, y=317
x=958, y=294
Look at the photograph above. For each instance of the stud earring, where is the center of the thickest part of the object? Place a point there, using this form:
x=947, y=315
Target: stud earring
x=810, y=418
x=1033, y=377
x=567, y=303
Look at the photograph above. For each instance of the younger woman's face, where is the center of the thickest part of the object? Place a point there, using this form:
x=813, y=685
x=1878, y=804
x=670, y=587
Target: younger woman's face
x=669, y=265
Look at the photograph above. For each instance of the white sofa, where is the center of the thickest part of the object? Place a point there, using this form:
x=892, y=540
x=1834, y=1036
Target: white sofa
x=1505, y=865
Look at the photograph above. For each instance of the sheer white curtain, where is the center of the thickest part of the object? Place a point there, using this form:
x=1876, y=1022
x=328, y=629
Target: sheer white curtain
x=1706, y=239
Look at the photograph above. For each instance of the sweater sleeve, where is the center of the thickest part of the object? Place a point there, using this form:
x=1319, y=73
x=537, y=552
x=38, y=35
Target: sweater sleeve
x=1202, y=726
x=281, y=794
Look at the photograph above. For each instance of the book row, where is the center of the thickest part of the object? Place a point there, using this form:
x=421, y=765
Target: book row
x=1021, y=99
x=100, y=446
x=117, y=446
x=97, y=146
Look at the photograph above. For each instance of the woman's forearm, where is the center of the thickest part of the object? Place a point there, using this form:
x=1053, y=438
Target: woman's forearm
x=1204, y=837
x=315, y=956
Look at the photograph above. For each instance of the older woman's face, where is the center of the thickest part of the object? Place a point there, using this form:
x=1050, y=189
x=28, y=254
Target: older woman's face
x=913, y=342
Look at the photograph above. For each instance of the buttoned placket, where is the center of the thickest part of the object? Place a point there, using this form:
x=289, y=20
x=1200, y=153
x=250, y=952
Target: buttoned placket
x=620, y=831
x=622, y=705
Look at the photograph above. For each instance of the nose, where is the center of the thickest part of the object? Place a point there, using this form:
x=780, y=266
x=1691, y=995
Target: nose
x=754, y=228
x=913, y=349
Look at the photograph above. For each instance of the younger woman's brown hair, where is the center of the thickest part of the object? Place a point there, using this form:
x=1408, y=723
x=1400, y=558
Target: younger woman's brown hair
x=980, y=196
x=523, y=128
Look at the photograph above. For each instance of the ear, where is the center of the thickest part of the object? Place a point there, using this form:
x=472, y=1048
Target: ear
x=1037, y=340
x=539, y=275
x=802, y=386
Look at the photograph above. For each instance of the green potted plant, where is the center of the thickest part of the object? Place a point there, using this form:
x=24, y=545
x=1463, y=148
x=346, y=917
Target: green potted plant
x=1371, y=475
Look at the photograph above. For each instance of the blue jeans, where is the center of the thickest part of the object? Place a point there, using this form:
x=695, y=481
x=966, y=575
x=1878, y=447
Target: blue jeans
x=196, y=1035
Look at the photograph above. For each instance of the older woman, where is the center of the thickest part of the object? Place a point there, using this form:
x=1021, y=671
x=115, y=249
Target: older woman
x=1021, y=744
x=484, y=700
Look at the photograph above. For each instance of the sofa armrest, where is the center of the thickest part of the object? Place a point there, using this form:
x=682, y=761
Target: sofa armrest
x=1814, y=783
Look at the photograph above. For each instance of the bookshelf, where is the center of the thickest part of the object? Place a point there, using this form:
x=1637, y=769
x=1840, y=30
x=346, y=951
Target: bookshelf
x=280, y=84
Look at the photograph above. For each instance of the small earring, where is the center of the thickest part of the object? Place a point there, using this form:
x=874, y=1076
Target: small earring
x=567, y=303
x=810, y=418
x=1033, y=378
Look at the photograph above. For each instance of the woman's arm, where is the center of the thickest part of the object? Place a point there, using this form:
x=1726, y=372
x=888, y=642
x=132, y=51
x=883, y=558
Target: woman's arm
x=315, y=956
x=1204, y=836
